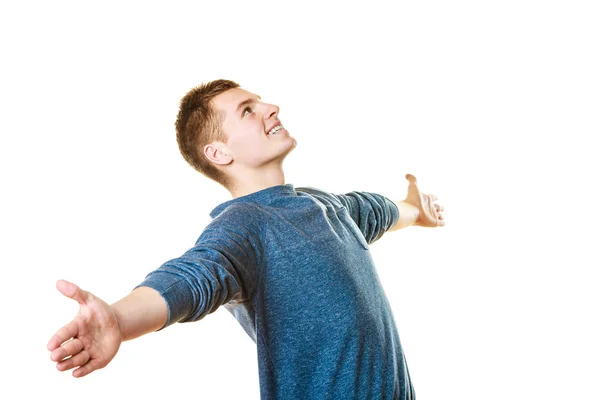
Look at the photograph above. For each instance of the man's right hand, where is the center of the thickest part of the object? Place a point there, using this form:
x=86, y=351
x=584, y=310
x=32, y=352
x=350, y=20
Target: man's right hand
x=91, y=340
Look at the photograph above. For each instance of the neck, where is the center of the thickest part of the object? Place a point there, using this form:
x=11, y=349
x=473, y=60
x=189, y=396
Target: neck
x=256, y=180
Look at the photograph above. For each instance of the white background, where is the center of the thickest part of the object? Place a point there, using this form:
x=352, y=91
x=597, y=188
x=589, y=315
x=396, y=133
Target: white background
x=494, y=106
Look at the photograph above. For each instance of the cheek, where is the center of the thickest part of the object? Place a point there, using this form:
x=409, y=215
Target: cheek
x=248, y=146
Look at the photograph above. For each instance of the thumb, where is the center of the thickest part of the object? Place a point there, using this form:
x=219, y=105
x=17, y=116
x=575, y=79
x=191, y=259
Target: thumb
x=411, y=179
x=72, y=291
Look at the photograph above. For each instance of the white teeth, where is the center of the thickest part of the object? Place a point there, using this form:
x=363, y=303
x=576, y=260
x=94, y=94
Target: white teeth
x=275, y=130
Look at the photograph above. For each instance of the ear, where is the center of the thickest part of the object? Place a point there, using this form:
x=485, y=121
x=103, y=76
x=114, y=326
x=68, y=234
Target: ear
x=217, y=153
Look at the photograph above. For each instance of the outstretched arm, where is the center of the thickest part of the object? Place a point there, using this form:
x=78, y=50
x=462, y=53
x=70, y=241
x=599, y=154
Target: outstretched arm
x=92, y=339
x=418, y=208
x=142, y=311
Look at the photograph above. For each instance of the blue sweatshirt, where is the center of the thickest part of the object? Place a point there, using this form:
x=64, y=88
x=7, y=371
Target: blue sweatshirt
x=293, y=266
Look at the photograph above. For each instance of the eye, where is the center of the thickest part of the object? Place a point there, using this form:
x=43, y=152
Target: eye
x=246, y=109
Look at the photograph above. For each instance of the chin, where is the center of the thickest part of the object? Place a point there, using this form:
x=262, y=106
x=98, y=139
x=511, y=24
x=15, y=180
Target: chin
x=292, y=142
x=292, y=147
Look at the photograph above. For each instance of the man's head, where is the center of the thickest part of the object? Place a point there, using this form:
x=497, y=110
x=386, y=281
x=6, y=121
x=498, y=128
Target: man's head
x=223, y=132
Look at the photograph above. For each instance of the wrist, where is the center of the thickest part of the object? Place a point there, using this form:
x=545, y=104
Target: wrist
x=141, y=312
x=408, y=215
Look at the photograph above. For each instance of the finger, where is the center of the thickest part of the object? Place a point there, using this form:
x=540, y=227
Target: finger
x=438, y=207
x=440, y=220
x=77, y=360
x=411, y=179
x=67, y=349
x=433, y=197
x=65, y=333
x=84, y=370
x=72, y=291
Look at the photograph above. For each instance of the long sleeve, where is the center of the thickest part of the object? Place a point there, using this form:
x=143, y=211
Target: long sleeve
x=373, y=213
x=318, y=313
x=219, y=269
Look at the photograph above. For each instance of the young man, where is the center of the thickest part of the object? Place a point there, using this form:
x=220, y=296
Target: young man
x=291, y=264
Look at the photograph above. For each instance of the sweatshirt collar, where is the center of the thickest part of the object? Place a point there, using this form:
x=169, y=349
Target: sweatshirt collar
x=262, y=196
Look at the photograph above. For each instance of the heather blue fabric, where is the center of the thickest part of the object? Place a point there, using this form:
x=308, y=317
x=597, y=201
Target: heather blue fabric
x=293, y=266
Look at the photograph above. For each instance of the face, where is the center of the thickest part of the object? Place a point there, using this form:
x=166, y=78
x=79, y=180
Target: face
x=255, y=135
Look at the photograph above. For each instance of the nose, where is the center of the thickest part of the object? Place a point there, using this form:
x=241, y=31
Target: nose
x=270, y=111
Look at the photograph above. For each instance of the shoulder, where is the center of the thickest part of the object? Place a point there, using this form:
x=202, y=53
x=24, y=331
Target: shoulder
x=238, y=219
x=236, y=213
x=322, y=196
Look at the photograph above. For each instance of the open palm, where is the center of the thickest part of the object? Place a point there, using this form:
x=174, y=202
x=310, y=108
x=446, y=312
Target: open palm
x=430, y=213
x=91, y=340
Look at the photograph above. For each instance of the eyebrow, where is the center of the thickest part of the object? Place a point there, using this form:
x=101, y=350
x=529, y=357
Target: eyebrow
x=246, y=102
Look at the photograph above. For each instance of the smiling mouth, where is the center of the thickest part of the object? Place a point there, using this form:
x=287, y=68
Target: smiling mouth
x=275, y=130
